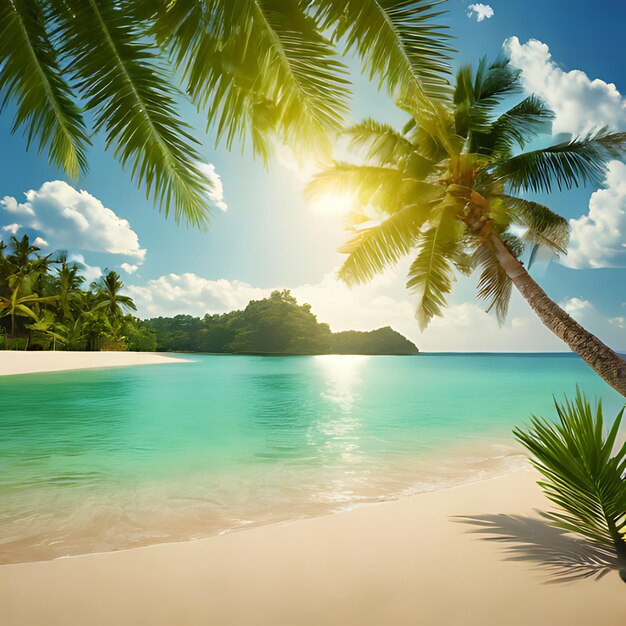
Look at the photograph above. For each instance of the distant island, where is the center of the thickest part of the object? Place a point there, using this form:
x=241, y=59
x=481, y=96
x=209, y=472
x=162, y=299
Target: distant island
x=274, y=325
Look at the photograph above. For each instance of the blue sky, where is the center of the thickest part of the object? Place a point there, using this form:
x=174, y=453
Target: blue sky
x=269, y=238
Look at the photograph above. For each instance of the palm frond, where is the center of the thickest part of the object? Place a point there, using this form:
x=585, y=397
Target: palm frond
x=31, y=77
x=495, y=81
x=477, y=94
x=385, y=146
x=383, y=143
x=544, y=226
x=431, y=273
x=577, y=162
x=258, y=65
x=515, y=127
x=494, y=285
x=374, y=249
x=132, y=100
x=582, y=476
x=385, y=188
x=399, y=41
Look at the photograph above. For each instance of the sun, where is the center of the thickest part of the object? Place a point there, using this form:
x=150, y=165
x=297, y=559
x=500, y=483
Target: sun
x=333, y=203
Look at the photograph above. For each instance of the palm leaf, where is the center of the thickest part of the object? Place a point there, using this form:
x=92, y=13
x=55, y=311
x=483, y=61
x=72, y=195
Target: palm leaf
x=431, y=273
x=582, y=477
x=476, y=94
x=132, y=100
x=385, y=188
x=494, y=285
x=374, y=249
x=582, y=160
x=515, y=127
x=30, y=76
x=263, y=65
x=383, y=143
x=544, y=226
x=399, y=41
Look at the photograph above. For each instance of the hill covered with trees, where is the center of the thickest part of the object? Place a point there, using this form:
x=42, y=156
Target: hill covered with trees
x=274, y=325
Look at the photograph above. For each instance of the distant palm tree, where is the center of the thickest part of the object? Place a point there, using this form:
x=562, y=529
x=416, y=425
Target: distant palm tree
x=109, y=299
x=67, y=285
x=256, y=68
x=22, y=281
x=447, y=187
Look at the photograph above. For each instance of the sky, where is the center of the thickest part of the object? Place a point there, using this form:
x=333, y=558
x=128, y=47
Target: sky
x=263, y=235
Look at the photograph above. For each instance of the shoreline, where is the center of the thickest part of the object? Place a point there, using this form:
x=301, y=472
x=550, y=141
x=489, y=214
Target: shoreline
x=465, y=554
x=20, y=362
x=459, y=464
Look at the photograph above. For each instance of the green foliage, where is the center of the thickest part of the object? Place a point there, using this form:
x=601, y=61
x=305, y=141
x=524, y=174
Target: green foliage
x=443, y=189
x=381, y=341
x=569, y=164
x=31, y=76
x=139, y=336
x=43, y=305
x=584, y=475
x=258, y=69
x=274, y=325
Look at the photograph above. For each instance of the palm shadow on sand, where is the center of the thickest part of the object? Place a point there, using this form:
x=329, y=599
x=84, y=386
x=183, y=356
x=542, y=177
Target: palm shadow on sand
x=563, y=557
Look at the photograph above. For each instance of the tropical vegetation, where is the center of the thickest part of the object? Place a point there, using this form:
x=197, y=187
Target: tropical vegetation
x=45, y=305
x=582, y=474
x=449, y=189
x=273, y=325
x=259, y=71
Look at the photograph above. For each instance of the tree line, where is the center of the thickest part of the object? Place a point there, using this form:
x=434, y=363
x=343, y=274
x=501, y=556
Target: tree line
x=45, y=305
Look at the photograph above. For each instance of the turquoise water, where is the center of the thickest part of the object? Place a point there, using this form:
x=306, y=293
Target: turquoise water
x=107, y=459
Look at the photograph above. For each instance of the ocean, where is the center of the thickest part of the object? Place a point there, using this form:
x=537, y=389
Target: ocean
x=108, y=459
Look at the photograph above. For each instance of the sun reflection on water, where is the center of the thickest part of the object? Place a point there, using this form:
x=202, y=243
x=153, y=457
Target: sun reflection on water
x=338, y=430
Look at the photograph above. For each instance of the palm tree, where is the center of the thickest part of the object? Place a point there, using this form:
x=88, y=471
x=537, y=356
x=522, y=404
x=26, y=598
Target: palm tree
x=67, y=285
x=49, y=330
x=109, y=299
x=258, y=69
x=23, y=278
x=447, y=187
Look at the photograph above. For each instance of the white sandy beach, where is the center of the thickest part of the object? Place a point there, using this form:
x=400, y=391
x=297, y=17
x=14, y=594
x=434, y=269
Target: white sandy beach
x=23, y=362
x=474, y=555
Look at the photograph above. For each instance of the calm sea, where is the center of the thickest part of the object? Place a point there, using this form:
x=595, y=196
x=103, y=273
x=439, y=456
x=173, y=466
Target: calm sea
x=108, y=459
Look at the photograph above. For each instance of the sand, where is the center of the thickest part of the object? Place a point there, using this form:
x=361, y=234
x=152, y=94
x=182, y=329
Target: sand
x=22, y=362
x=477, y=554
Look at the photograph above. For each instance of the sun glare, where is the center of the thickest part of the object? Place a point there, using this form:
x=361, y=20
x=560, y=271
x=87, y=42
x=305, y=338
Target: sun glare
x=333, y=204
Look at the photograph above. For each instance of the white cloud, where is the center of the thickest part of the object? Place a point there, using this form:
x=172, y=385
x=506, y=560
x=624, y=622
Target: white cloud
x=40, y=242
x=215, y=188
x=576, y=306
x=580, y=104
x=90, y=272
x=598, y=239
x=11, y=228
x=188, y=293
x=75, y=219
x=129, y=268
x=480, y=11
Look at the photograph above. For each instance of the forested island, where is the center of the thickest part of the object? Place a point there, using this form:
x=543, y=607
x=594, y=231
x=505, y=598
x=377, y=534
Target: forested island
x=274, y=325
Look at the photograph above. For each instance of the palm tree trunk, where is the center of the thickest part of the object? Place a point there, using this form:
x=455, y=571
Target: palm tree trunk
x=607, y=363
